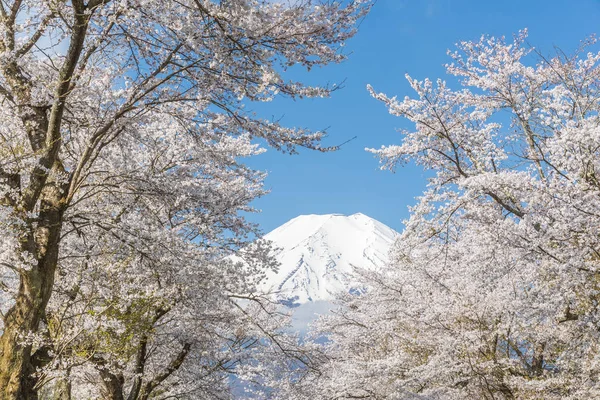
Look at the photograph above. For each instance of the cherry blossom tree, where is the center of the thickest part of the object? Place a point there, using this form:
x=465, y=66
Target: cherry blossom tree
x=123, y=126
x=492, y=292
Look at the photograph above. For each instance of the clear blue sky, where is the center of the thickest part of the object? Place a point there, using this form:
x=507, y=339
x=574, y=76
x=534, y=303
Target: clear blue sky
x=398, y=37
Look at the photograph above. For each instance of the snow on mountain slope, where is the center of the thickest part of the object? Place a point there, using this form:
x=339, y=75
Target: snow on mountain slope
x=318, y=252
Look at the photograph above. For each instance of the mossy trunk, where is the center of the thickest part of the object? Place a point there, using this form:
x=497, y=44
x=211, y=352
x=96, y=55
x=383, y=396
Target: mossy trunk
x=16, y=362
x=40, y=239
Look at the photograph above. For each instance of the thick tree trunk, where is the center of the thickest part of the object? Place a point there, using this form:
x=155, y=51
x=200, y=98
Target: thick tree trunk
x=15, y=366
x=42, y=239
x=16, y=381
x=35, y=288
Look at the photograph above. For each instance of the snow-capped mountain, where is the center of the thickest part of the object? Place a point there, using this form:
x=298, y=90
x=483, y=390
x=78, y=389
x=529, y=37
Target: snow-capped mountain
x=318, y=252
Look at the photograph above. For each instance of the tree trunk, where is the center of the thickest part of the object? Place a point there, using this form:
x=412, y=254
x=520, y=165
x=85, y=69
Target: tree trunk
x=16, y=381
x=40, y=241
x=113, y=385
x=35, y=288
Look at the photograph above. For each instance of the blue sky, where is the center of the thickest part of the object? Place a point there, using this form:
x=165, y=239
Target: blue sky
x=398, y=37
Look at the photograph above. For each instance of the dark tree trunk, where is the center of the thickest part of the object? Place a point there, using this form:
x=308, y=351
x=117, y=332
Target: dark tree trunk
x=112, y=385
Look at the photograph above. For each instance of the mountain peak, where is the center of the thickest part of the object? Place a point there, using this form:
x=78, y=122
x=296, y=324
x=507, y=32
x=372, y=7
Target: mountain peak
x=318, y=254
